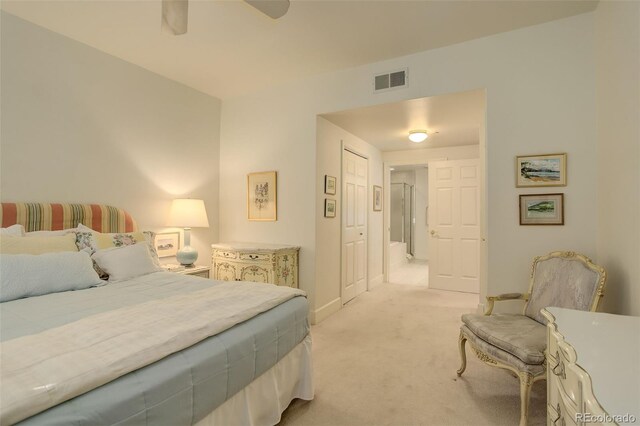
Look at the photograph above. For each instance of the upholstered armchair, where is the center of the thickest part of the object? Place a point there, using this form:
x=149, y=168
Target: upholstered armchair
x=517, y=342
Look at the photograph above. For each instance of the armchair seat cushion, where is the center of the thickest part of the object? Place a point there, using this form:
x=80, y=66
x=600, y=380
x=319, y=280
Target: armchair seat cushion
x=518, y=335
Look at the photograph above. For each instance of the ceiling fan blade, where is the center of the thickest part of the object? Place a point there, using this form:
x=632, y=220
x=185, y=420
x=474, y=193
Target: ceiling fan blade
x=272, y=8
x=175, y=14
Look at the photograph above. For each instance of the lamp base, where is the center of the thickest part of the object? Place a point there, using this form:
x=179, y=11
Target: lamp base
x=187, y=255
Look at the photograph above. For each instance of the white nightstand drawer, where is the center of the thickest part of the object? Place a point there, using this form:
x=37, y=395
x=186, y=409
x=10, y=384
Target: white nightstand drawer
x=225, y=254
x=198, y=271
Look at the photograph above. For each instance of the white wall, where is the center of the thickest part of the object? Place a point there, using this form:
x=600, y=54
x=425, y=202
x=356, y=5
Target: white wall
x=618, y=116
x=79, y=125
x=540, y=87
x=403, y=176
x=423, y=156
x=330, y=140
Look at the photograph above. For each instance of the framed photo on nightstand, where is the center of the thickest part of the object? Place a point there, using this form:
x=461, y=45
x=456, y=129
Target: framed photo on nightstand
x=167, y=244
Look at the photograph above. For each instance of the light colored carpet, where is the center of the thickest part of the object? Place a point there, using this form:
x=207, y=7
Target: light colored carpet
x=390, y=358
x=415, y=272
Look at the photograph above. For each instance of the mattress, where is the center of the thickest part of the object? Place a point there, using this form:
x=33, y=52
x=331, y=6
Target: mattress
x=179, y=389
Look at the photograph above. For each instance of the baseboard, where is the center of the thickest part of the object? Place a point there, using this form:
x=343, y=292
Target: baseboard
x=325, y=311
x=375, y=282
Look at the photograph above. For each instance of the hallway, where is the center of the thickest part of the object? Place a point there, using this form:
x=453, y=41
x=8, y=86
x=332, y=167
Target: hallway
x=414, y=272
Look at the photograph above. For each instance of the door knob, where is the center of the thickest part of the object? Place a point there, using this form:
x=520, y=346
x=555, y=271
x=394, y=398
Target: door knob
x=434, y=233
x=361, y=233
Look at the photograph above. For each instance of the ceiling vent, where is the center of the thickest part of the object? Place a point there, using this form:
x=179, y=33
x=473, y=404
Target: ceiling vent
x=388, y=81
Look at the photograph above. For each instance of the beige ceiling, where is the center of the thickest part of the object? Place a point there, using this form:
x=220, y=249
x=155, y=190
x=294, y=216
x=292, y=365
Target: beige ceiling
x=450, y=120
x=231, y=48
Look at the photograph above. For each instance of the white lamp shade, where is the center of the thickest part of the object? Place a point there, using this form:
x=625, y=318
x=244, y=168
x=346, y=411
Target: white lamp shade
x=188, y=213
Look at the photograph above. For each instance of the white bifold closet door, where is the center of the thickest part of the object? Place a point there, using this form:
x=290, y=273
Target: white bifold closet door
x=354, y=225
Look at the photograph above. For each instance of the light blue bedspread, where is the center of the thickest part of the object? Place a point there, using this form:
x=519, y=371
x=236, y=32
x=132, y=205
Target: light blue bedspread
x=177, y=390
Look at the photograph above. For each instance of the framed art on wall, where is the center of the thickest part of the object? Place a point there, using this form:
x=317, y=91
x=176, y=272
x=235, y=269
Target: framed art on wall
x=377, y=198
x=541, y=170
x=329, y=185
x=329, y=208
x=542, y=209
x=262, y=197
x=167, y=244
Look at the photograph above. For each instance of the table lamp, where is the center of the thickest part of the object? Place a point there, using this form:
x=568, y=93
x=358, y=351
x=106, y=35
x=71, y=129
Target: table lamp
x=188, y=213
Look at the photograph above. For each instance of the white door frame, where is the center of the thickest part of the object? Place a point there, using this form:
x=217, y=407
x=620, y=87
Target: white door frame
x=348, y=147
x=483, y=214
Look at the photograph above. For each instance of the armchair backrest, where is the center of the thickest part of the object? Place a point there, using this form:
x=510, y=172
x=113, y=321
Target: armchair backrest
x=565, y=280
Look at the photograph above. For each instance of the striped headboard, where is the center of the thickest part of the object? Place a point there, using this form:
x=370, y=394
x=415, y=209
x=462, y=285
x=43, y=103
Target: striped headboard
x=52, y=217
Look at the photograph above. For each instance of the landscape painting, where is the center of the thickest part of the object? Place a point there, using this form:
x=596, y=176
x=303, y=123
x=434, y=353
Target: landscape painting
x=542, y=209
x=541, y=170
x=262, y=196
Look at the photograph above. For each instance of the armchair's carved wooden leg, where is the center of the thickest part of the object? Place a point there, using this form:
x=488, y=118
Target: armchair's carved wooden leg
x=526, y=381
x=463, y=355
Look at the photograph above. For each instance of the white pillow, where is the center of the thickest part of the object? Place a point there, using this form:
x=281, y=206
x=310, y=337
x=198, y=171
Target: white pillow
x=126, y=262
x=16, y=230
x=94, y=240
x=24, y=275
x=38, y=245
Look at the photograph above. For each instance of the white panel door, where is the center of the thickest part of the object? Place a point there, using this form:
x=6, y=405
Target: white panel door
x=454, y=225
x=354, y=225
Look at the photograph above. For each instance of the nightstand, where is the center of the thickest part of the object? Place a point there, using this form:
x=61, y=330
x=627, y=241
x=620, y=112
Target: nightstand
x=198, y=271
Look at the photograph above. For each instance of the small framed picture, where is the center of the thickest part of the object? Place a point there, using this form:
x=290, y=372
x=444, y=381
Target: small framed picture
x=377, y=198
x=542, y=209
x=329, y=185
x=167, y=244
x=541, y=170
x=329, y=208
x=262, y=197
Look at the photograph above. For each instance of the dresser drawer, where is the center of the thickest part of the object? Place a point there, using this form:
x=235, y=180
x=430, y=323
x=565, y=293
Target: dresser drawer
x=255, y=256
x=223, y=254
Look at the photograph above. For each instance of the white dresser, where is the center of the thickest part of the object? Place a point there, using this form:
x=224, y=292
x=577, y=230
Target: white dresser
x=593, y=368
x=263, y=263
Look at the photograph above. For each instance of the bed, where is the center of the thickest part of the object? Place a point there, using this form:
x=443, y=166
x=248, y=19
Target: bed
x=221, y=353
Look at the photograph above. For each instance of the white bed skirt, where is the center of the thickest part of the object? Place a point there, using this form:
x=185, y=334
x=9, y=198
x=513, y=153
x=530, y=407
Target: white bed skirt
x=263, y=400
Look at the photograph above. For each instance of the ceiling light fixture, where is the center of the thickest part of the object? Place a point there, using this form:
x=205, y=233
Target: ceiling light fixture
x=418, y=136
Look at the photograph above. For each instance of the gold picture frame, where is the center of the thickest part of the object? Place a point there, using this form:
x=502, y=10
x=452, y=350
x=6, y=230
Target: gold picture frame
x=262, y=196
x=377, y=198
x=541, y=170
x=329, y=185
x=330, y=207
x=542, y=209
